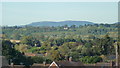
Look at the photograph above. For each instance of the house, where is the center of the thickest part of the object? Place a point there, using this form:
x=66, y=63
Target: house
x=3, y=62
x=66, y=28
x=16, y=41
x=30, y=54
x=33, y=54
x=66, y=64
x=1, y=36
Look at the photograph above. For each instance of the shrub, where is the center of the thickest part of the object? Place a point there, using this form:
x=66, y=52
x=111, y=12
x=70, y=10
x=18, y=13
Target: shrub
x=91, y=59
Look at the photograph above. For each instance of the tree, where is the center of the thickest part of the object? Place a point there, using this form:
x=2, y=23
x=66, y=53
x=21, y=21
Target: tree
x=16, y=36
x=91, y=37
x=86, y=51
x=38, y=59
x=65, y=26
x=29, y=40
x=64, y=51
x=11, y=54
x=72, y=26
x=91, y=59
x=54, y=55
x=75, y=55
x=22, y=47
x=58, y=41
x=107, y=45
x=7, y=48
x=36, y=43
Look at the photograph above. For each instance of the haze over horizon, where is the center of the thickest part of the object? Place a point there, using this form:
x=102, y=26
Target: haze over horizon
x=22, y=13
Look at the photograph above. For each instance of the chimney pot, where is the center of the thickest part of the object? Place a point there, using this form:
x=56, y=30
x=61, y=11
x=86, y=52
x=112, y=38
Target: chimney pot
x=44, y=63
x=70, y=59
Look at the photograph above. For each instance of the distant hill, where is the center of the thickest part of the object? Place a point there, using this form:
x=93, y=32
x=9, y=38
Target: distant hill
x=60, y=23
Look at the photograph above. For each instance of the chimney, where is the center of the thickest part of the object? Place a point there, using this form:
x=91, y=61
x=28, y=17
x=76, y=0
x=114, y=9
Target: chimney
x=44, y=63
x=111, y=63
x=12, y=65
x=70, y=59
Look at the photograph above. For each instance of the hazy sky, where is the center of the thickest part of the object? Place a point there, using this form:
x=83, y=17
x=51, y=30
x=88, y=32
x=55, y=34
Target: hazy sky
x=21, y=13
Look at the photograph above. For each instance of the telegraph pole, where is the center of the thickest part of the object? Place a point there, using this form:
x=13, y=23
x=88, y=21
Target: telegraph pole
x=116, y=49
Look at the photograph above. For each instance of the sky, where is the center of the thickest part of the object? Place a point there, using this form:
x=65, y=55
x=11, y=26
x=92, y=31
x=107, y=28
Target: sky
x=22, y=13
x=60, y=0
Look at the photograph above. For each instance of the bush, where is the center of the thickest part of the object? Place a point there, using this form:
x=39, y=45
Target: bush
x=91, y=59
x=37, y=59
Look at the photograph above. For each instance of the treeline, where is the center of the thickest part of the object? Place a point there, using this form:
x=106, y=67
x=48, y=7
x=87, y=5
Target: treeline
x=97, y=30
